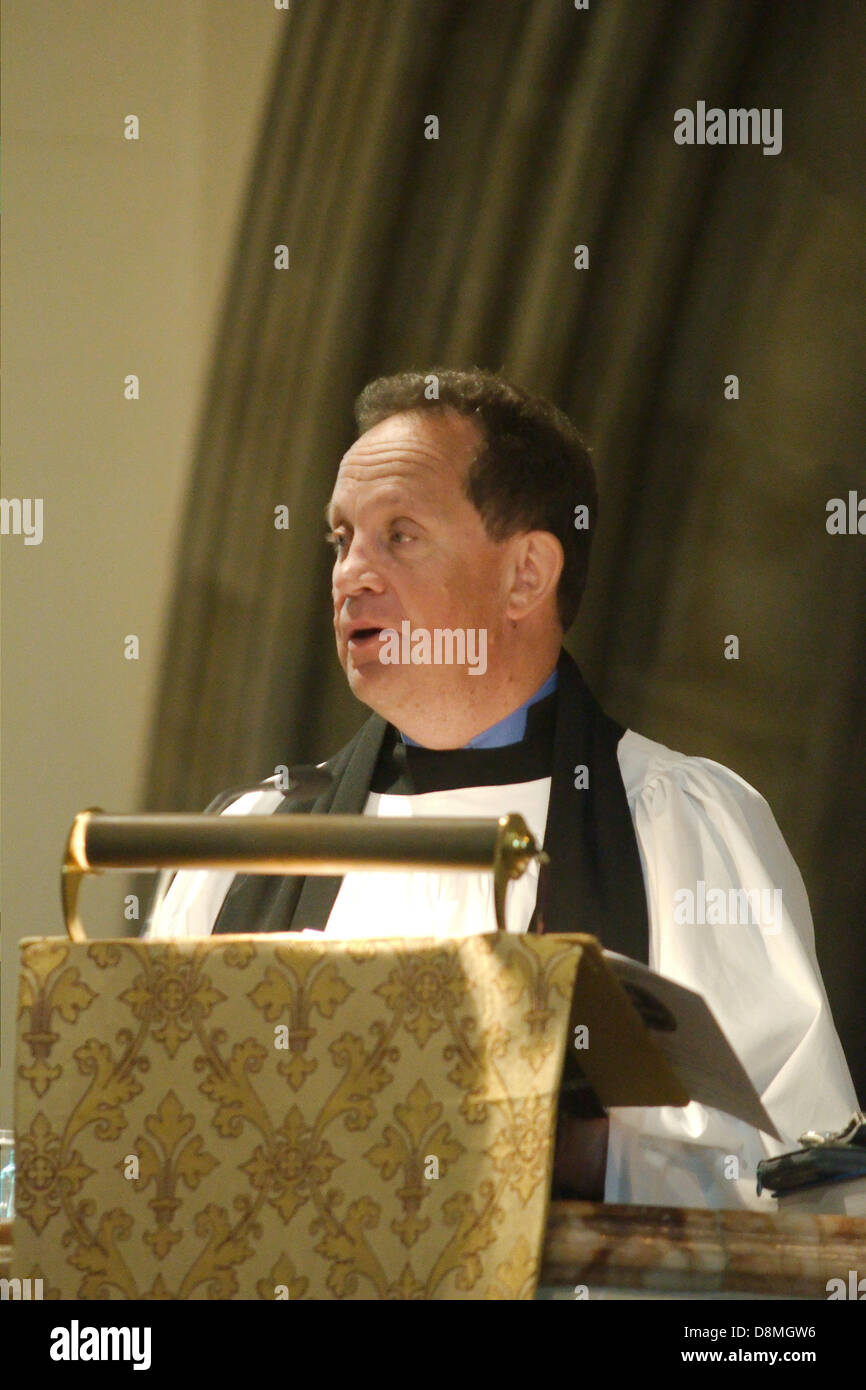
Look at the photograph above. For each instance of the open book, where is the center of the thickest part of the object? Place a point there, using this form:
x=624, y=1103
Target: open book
x=684, y=1030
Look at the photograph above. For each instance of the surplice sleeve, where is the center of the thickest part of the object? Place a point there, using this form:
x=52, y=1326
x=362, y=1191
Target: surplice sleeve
x=702, y=828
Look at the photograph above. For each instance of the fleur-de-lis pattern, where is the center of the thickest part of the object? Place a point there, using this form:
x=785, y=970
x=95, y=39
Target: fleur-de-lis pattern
x=419, y=1143
x=279, y=1117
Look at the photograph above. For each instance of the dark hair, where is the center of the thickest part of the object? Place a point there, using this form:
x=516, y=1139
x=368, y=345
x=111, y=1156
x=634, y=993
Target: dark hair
x=532, y=471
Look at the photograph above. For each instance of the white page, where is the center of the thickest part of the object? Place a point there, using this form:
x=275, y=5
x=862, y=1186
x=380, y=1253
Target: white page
x=696, y=1047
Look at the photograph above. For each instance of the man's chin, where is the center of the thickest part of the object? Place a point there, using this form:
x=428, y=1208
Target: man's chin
x=369, y=674
x=387, y=689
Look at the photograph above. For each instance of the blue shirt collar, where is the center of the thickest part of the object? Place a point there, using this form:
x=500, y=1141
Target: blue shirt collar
x=511, y=729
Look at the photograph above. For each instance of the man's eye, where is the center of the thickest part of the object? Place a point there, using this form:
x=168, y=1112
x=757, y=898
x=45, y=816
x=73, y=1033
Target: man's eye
x=401, y=536
x=337, y=540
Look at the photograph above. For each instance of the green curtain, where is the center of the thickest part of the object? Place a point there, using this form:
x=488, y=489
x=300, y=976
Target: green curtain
x=556, y=129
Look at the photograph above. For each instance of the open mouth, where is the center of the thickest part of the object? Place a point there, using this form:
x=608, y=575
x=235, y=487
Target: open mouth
x=361, y=635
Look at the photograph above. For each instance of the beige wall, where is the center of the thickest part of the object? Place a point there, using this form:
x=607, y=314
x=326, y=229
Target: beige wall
x=115, y=260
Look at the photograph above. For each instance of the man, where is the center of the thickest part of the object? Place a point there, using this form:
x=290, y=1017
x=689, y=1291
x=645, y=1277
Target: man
x=461, y=520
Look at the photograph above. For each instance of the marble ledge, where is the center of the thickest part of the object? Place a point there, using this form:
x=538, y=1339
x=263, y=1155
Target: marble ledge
x=670, y=1249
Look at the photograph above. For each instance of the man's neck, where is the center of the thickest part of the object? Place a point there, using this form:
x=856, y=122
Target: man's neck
x=505, y=731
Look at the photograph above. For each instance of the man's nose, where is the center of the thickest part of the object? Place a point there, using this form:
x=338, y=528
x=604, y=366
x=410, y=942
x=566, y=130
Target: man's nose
x=355, y=571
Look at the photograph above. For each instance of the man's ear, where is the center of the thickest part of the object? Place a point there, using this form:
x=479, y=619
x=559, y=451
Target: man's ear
x=537, y=564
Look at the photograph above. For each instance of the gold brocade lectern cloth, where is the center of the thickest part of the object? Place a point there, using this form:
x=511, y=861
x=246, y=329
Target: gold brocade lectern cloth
x=281, y=1117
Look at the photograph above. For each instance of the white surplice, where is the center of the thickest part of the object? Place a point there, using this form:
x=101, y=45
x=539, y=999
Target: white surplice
x=699, y=828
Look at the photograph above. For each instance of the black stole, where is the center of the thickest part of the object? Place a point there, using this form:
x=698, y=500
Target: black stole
x=594, y=882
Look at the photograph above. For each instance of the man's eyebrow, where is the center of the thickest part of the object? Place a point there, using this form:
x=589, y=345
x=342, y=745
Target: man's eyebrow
x=392, y=501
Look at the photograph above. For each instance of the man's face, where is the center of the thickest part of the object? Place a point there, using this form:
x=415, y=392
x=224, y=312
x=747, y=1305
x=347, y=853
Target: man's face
x=409, y=546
